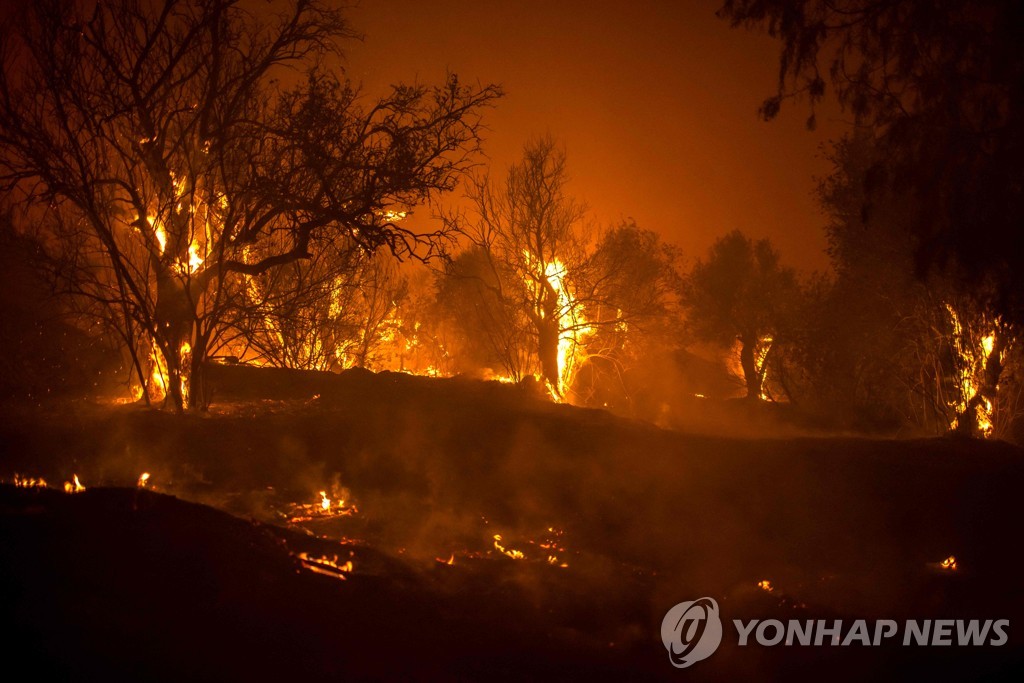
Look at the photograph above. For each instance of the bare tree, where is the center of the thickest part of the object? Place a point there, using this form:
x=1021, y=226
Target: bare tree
x=162, y=130
x=540, y=286
x=529, y=231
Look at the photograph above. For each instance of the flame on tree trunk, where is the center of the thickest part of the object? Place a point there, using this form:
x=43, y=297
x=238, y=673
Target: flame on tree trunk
x=978, y=366
x=559, y=325
x=546, y=321
x=751, y=377
x=754, y=353
x=182, y=356
x=975, y=417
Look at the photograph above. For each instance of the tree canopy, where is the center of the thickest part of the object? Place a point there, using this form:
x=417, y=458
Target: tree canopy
x=741, y=292
x=162, y=158
x=940, y=87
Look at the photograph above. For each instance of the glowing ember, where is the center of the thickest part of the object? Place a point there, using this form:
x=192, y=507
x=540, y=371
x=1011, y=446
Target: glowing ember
x=328, y=566
x=324, y=508
x=511, y=552
x=553, y=561
x=143, y=480
x=74, y=486
x=765, y=585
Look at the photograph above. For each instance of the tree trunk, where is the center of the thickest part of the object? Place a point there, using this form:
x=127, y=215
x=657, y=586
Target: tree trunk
x=174, y=317
x=548, y=331
x=547, y=352
x=198, y=396
x=750, y=374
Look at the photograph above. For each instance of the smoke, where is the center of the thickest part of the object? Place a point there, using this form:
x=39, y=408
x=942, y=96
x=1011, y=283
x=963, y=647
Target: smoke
x=642, y=517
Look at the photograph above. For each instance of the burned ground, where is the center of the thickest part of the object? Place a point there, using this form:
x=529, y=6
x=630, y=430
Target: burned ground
x=128, y=581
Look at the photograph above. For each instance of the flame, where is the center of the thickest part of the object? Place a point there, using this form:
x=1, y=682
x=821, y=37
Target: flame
x=573, y=327
x=394, y=216
x=143, y=480
x=324, y=507
x=29, y=482
x=135, y=392
x=765, y=585
x=158, y=373
x=74, y=486
x=179, y=184
x=328, y=566
x=735, y=365
x=193, y=263
x=970, y=371
x=511, y=552
x=159, y=378
x=760, y=354
x=194, y=259
x=988, y=343
x=158, y=231
x=949, y=563
x=185, y=364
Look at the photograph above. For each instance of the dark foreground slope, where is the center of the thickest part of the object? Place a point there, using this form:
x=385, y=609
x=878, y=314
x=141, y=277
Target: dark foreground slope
x=643, y=518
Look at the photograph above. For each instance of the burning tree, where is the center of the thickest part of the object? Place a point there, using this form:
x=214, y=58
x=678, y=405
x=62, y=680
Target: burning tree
x=741, y=294
x=634, y=313
x=487, y=329
x=528, y=231
x=538, y=288
x=920, y=346
x=163, y=159
x=935, y=91
x=326, y=312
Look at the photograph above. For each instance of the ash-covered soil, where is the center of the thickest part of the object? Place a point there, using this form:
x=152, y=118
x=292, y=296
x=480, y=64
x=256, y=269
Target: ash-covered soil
x=491, y=535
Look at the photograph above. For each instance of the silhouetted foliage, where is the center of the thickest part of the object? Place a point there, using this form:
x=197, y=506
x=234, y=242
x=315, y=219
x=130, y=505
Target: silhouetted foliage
x=741, y=293
x=635, y=316
x=940, y=86
x=891, y=347
x=542, y=291
x=158, y=140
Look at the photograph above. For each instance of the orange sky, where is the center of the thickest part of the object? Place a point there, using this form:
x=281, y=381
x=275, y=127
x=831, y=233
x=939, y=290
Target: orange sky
x=655, y=102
